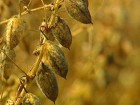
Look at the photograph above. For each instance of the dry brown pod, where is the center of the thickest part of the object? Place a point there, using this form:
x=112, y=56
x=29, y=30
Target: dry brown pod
x=62, y=33
x=15, y=31
x=47, y=82
x=56, y=58
x=6, y=65
x=78, y=9
x=31, y=99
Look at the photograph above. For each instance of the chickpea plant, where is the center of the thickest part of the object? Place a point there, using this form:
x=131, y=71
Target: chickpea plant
x=50, y=58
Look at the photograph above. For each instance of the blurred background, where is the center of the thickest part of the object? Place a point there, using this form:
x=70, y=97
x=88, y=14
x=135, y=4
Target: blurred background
x=104, y=59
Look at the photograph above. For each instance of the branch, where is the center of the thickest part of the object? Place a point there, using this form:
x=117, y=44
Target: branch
x=28, y=12
x=32, y=72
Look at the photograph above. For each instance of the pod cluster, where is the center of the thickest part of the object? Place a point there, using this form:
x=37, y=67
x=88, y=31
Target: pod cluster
x=53, y=59
x=53, y=36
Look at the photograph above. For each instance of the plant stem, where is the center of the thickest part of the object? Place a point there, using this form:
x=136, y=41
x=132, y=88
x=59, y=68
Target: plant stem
x=32, y=10
x=31, y=74
x=56, y=8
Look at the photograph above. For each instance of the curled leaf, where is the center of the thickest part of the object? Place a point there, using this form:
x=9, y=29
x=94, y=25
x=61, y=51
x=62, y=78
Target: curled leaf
x=14, y=31
x=78, y=9
x=31, y=99
x=62, y=33
x=55, y=56
x=47, y=82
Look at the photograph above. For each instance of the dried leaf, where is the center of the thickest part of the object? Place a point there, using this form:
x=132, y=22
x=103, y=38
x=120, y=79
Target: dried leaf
x=47, y=82
x=55, y=56
x=31, y=99
x=62, y=33
x=14, y=31
x=78, y=9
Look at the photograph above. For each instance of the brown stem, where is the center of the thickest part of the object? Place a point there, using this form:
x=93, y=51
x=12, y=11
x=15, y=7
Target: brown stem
x=54, y=12
x=31, y=74
x=32, y=10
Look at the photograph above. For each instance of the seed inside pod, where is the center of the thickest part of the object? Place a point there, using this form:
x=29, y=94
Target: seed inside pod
x=62, y=33
x=78, y=9
x=47, y=83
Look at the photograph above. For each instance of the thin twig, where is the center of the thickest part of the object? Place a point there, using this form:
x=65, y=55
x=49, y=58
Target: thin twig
x=29, y=3
x=44, y=9
x=19, y=8
x=14, y=63
x=23, y=86
x=43, y=2
x=32, y=10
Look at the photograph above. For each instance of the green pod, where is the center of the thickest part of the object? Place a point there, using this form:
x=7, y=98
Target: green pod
x=56, y=58
x=78, y=9
x=62, y=33
x=47, y=82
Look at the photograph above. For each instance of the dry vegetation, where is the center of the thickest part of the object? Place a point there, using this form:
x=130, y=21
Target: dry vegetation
x=103, y=59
